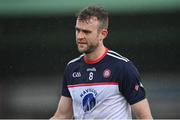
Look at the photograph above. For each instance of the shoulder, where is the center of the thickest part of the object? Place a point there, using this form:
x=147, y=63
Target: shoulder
x=75, y=60
x=74, y=63
x=123, y=61
x=117, y=57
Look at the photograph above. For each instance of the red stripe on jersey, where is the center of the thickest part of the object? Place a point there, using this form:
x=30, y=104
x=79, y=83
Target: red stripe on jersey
x=93, y=84
x=96, y=60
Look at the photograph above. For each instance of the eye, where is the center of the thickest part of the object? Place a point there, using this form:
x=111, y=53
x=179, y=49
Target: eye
x=86, y=31
x=77, y=29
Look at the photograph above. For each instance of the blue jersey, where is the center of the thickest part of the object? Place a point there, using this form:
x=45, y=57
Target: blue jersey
x=104, y=88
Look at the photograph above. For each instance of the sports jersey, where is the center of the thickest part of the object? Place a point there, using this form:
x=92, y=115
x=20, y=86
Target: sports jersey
x=104, y=88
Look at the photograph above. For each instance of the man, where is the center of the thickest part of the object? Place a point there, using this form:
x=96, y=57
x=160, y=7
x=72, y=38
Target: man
x=100, y=84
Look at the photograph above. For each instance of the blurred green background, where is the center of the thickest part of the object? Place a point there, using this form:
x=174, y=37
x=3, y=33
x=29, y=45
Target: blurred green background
x=37, y=39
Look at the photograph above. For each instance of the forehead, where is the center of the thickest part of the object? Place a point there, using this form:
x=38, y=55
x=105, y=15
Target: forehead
x=91, y=23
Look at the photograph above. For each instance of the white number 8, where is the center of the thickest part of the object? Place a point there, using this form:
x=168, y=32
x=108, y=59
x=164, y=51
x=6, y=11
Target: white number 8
x=90, y=75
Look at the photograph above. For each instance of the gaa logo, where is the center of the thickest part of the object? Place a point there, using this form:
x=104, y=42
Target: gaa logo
x=106, y=73
x=76, y=74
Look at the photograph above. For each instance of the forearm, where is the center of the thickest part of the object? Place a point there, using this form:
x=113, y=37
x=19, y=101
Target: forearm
x=143, y=116
x=141, y=110
x=61, y=116
x=64, y=110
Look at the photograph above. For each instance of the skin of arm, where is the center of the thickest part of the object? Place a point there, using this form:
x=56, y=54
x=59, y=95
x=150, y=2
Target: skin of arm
x=64, y=110
x=141, y=110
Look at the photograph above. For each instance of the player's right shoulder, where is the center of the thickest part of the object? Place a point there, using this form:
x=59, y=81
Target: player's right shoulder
x=75, y=60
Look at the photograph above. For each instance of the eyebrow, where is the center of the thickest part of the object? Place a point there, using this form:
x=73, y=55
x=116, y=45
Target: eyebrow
x=84, y=30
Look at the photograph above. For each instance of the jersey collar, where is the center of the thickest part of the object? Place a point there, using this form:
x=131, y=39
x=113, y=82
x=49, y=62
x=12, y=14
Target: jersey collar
x=96, y=60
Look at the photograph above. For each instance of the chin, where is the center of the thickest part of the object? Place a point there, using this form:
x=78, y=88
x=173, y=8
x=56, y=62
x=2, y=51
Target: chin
x=82, y=51
x=86, y=51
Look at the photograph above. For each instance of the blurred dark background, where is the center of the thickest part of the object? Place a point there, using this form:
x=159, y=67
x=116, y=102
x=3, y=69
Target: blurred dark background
x=36, y=43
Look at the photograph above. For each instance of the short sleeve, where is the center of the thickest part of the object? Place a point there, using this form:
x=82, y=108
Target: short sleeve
x=132, y=88
x=65, y=91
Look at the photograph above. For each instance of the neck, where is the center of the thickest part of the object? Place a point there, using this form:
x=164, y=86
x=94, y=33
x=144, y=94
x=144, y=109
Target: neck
x=96, y=53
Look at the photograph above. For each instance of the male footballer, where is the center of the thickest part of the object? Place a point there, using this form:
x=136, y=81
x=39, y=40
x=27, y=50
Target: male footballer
x=100, y=84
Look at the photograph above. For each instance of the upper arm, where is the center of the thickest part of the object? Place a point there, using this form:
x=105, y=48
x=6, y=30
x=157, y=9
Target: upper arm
x=65, y=109
x=141, y=110
x=131, y=86
x=134, y=92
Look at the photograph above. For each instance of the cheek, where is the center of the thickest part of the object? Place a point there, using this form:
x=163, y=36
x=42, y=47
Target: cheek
x=100, y=37
x=94, y=40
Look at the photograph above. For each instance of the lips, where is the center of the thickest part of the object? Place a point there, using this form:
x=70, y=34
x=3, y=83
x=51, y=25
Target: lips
x=82, y=43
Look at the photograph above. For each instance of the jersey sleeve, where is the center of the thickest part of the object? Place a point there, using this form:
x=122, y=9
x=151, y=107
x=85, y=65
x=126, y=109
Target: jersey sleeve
x=132, y=87
x=65, y=91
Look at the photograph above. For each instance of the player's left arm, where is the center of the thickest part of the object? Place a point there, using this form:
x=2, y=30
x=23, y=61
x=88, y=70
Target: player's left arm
x=134, y=92
x=141, y=109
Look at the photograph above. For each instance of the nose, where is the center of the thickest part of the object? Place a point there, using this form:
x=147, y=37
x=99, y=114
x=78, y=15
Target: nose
x=79, y=35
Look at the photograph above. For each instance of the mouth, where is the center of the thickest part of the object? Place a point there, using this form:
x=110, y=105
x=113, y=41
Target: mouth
x=81, y=43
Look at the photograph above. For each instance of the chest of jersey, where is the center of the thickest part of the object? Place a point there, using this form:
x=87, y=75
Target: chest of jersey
x=85, y=73
x=103, y=89
x=92, y=85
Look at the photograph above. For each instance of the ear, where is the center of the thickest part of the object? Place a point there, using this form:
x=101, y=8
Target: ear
x=104, y=33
